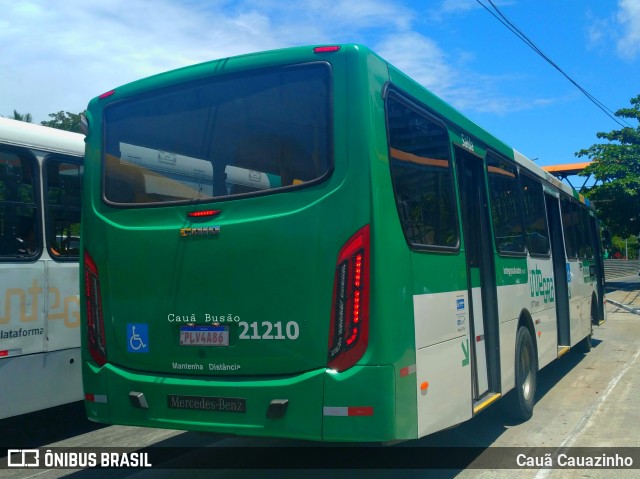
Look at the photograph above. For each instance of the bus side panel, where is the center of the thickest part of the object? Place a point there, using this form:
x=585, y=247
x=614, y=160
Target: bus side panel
x=543, y=309
x=39, y=337
x=392, y=324
x=443, y=371
x=392, y=330
x=36, y=378
x=39, y=381
x=579, y=301
x=584, y=287
x=513, y=297
x=358, y=406
x=63, y=306
x=508, y=331
x=22, y=309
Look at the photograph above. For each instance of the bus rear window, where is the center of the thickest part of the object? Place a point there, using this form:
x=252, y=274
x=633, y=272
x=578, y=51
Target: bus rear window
x=224, y=136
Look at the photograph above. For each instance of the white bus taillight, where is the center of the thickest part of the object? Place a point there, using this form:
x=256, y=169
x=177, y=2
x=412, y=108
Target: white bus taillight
x=95, y=323
x=349, y=329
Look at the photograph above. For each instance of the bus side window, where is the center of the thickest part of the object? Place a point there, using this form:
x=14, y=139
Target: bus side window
x=421, y=176
x=535, y=216
x=26, y=238
x=18, y=210
x=506, y=205
x=569, y=227
x=63, y=184
x=586, y=248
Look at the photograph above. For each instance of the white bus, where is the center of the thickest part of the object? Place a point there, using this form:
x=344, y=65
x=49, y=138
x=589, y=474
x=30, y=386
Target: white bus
x=40, y=178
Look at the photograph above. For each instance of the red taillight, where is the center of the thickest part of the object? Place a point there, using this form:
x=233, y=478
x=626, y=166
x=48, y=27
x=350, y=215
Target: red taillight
x=349, y=331
x=203, y=213
x=106, y=94
x=95, y=323
x=326, y=49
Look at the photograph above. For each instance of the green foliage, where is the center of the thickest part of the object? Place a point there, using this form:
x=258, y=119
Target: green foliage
x=26, y=117
x=622, y=246
x=616, y=167
x=63, y=120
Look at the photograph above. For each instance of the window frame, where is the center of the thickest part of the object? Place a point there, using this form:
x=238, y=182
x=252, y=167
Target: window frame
x=154, y=92
x=566, y=199
x=519, y=204
x=585, y=226
x=25, y=154
x=393, y=93
x=525, y=174
x=59, y=158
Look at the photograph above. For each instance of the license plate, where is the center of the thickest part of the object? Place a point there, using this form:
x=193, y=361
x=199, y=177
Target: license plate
x=204, y=335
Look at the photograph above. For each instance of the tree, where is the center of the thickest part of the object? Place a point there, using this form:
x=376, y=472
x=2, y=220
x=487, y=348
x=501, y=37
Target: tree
x=20, y=117
x=624, y=247
x=616, y=167
x=63, y=120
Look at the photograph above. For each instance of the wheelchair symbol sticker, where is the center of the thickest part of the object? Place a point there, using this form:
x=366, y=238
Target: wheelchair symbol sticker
x=138, y=338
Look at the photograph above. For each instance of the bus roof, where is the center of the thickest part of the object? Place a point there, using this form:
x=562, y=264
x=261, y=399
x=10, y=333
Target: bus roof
x=443, y=109
x=38, y=137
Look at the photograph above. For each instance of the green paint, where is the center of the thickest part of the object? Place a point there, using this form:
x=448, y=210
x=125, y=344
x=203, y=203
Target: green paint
x=465, y=351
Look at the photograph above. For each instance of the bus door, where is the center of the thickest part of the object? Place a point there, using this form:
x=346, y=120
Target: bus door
x=484, y=348
x=560, y=273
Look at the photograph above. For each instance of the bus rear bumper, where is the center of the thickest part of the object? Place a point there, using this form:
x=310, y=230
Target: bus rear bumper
x=226, y=406
x=356, y=405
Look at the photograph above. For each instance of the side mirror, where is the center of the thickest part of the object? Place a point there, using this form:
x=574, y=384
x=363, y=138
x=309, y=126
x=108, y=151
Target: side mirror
x=84, y=123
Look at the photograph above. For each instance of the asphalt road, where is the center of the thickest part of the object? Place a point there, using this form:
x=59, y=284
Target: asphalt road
x=583, y=400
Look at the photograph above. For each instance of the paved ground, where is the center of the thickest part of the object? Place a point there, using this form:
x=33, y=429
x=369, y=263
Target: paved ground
x=588, y=401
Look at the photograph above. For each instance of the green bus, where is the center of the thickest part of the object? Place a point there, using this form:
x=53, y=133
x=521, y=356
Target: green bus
x=306, y=243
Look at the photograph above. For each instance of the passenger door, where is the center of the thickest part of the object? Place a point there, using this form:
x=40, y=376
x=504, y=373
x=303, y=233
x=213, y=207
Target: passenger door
x=481, y=276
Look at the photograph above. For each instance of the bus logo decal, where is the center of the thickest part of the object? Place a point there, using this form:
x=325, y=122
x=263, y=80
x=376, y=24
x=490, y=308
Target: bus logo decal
x=205, y=231
x=541, y=285
x=137, y=338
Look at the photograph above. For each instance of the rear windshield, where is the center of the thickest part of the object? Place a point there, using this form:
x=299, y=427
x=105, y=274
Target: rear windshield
x=225, y=136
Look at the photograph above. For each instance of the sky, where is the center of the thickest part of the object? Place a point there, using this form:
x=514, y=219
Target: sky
x=56, y=56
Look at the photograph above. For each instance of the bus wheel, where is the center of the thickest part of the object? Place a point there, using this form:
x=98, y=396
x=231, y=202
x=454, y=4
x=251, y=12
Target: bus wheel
x=585, y=344
x=521, y=400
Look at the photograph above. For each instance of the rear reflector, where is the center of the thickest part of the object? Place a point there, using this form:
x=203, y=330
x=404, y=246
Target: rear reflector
x=10, y=352
x=348, y=411
x=406, y=371
x=98, y=398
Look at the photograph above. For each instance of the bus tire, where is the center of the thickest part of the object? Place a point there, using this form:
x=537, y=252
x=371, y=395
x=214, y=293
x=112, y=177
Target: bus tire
x=585, y=344
x=522, y=398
